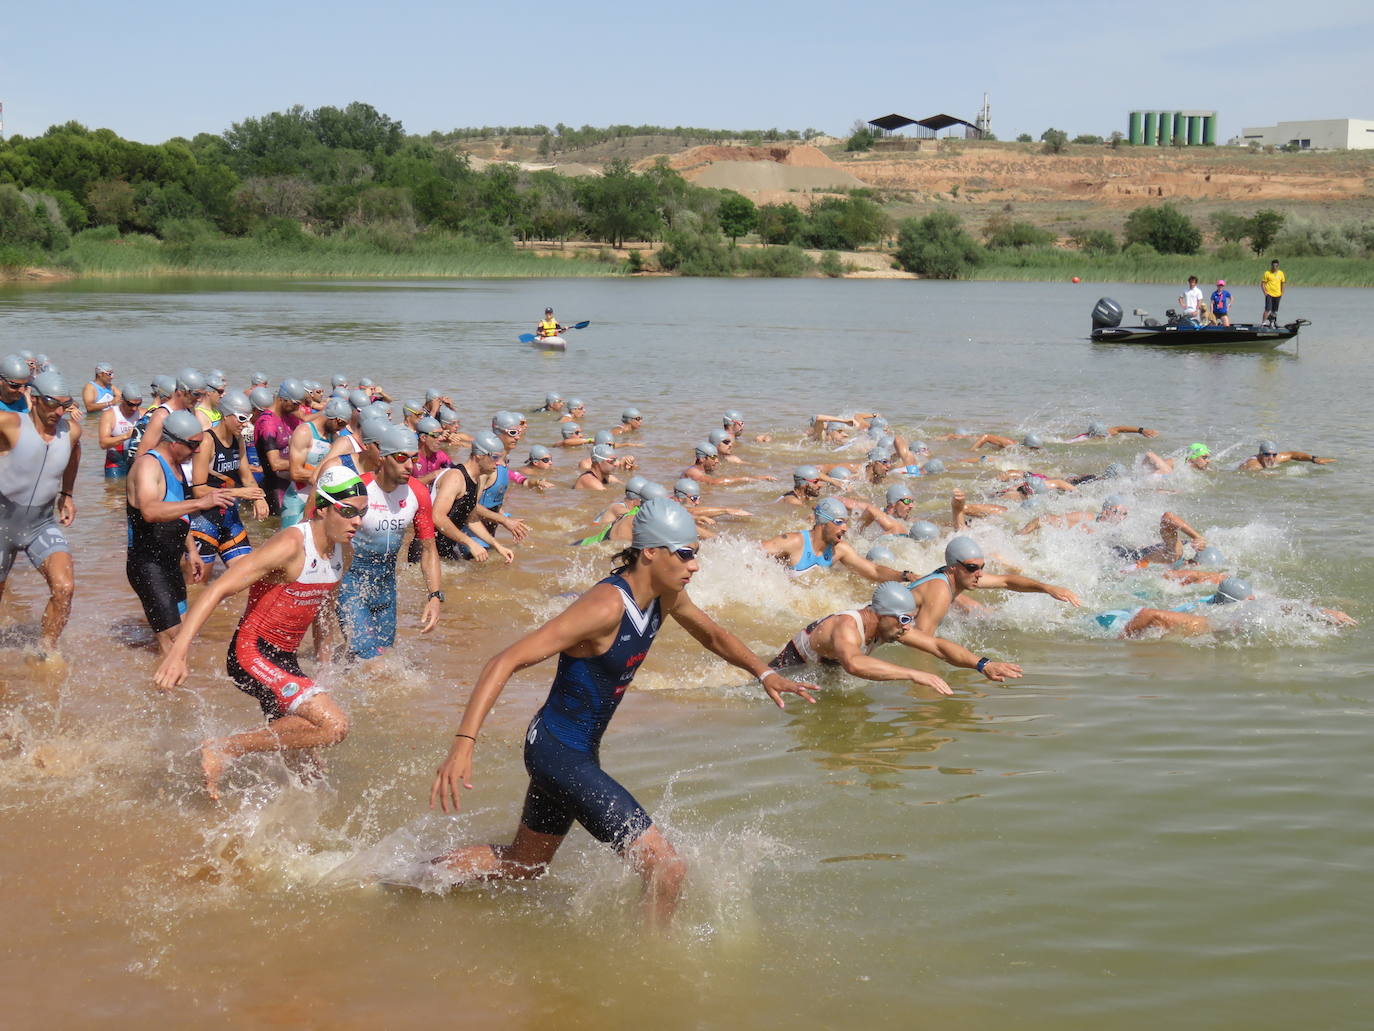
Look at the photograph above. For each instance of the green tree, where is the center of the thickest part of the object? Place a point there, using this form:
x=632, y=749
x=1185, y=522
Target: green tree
x=1229, y=227
x=1164, y=228
x=1024, y=137
x=1265, y=226
x=111, y=202
x=780, y=223
x=737, y=215
x=620, y=205
x=1002, y=232
x=1094, y=241
x=1056, y=141
x=1087, y=137
x=937, y=246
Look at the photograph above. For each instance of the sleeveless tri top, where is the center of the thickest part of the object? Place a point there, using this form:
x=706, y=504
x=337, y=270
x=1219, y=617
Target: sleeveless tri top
x=31, y=471
x=281, y=613
x=809, y=558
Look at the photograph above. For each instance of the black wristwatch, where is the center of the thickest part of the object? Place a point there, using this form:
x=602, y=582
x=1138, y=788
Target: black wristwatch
x=436, y=594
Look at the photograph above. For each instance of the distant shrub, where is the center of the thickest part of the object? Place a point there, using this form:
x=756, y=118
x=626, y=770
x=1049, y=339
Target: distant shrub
x=1087, y=138
x=696, y=254
x=1024, y=137
x=1095, y=241
x=1055, y=140
x=937, y=246
x=1229, y=252
x=1165, y=228
x=777, y=262
x=830, y=264
x=1002, y=232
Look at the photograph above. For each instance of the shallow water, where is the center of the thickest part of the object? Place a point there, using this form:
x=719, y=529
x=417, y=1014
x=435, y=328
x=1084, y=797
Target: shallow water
x=1135, y=834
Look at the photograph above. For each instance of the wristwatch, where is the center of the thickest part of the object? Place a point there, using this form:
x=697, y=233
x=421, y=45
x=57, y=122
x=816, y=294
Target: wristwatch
x=436, y=594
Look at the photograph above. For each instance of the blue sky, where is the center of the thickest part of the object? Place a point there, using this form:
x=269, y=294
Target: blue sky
x=153, y=70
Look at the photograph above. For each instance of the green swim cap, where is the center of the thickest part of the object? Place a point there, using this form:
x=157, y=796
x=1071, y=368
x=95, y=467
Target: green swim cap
x=1199, y=451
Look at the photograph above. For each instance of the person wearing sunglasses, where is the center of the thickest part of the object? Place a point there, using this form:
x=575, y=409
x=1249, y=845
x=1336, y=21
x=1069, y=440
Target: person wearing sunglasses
x=824, y=545
x=846, y=639
x=631, y=421
x=706, y=461
x=100, y=394
x=460, y=533
x=575, y=411
x=40, y=451
x=733, y=422
x=272, y=429
x=158, y=507
x=963, y=571
x=600, y=640
x=1269, y=456
x=223, y=465
x=14, y=381
x=396, y=502
x=116, y=427
x=602, y=470
x=311, y=441
x=187, y=391
x=292, y=579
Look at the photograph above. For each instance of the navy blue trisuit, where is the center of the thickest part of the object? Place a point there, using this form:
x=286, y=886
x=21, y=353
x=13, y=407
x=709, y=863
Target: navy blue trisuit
x=563, y=742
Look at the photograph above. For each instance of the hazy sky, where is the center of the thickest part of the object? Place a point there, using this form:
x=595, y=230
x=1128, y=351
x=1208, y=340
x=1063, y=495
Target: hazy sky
x=153, y=70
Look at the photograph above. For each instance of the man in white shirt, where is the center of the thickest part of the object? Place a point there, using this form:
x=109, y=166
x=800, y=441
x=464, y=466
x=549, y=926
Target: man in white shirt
x=1190, y=304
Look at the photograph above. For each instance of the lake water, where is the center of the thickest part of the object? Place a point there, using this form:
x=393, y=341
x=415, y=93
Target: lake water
x=1135, y=835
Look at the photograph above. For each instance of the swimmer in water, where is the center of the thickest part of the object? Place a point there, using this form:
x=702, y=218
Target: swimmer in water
x=846, y=638
x=708, y=461
x=600, y=641
x=1270, y=456
x=824, y=545
x=631, y=421
x=1198, y=456
x=600, y=475
x=1101, y=431
x=1185, y=621
x=733, y=421
x=992, y=440
x=291, y=579
x=1113, y=510
x=963, y=571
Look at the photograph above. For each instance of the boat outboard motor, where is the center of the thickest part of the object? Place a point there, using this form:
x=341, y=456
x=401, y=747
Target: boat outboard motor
x=1106, y=314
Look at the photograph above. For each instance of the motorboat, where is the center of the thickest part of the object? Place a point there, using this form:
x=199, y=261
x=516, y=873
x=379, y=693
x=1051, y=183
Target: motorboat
x=1178, y=331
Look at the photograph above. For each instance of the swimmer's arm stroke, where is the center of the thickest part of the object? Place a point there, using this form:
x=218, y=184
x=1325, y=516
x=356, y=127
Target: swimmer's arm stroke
x=589, y=619
x=957, y=655
x=1025, y=585
x=848, y=648
x=715, y=638
x=277, y=554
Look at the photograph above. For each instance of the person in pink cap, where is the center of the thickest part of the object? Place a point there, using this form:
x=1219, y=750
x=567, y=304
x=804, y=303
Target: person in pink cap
x=1221, y=303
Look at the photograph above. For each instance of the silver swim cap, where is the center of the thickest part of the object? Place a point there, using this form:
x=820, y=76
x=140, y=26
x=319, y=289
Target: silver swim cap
x=505, y=421
x=291, y=390
x=663, y=523
x=923, y=531
x=359, y=399
x=538, y=452
x=258, y=379
x=1233, y=588
x=688, y=488
x=633, y=486
x=235, y=402
x=312, y=386
x=337, y=408
x=426, y=426
x=413, y=406
x=734, y=415
x=1210, y=556
x=397, y=440
x=932, y=467
x=214, y=379
x=653, y=490
x=189, y=380
x=50, y=384
x=571, y=429
x=877, y=423
x=182, y=427
x=260, y=398
x=338, y=380
x=371, y=428
x=841, y=472
x=551, y=399
x=630, y=414
x=447, y=416
x=433, y=395
x=802, y=473
x=132, y=392
x=719, y=436
x=1097, y=429
x=881, y=454
x=706, y=449
x=575, y=402
x=1268, y=447
x=15, y=369
x=380, y=409
x=164, y=386
x=898, y=492
x=1115, y=471
x=882, y=554
x=487, y=443
x=962, y=549
x=1032, y=440
x=1113, y=501
x=893, y=599
x=831, y=510
x=1035, y=485
x=603, y=453
x=366, y=383
x=603, y=437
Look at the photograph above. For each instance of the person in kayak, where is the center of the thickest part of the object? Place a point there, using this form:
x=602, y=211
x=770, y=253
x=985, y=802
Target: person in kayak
x=549, y=326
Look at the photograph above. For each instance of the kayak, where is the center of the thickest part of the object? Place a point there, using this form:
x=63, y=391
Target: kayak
x=549, y=343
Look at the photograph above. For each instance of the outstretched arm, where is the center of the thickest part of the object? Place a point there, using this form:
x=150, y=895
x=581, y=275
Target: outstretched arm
x=1025, y=585
x=958, y=655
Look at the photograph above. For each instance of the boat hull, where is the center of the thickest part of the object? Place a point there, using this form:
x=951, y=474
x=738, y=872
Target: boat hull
x=1246, y=337
x=549, y=343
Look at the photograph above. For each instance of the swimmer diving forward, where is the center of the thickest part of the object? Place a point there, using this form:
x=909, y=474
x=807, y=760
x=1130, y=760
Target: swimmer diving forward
x=600, y=641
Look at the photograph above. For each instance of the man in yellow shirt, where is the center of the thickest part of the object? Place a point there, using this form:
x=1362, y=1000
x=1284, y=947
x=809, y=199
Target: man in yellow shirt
x=1271, y=285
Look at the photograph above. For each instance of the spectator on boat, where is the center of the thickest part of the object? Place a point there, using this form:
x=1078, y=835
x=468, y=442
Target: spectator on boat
x=1191, y=302
x=1271, y=286
x=1221, y=303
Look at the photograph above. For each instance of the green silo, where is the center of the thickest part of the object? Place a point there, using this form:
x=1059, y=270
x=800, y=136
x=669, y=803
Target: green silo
x=1151, y=128
x=1180, y=127
x=1194, y=130
x=1209, y=130
x=1137, y=132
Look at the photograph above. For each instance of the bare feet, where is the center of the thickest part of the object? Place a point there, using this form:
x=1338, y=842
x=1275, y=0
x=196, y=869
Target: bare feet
x=212, y=763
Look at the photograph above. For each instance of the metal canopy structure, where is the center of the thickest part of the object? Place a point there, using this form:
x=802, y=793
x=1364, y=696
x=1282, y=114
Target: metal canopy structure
x=931, y=124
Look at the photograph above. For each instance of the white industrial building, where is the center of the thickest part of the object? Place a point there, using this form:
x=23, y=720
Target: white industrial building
x=1320, y=134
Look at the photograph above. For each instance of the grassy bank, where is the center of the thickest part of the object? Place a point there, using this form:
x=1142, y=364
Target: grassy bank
x=101, y=253
x=1054, y=264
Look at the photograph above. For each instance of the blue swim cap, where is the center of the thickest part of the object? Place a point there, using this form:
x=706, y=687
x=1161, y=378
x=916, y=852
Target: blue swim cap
x=831, y=510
